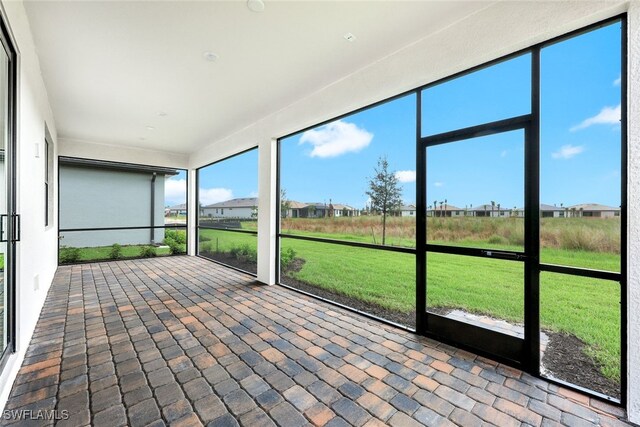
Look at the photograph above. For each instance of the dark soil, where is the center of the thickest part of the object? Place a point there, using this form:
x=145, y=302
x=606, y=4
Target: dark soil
x=566, y=360
x=232, y=260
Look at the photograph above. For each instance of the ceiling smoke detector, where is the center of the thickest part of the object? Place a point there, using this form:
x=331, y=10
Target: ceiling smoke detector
x=255, y=5
x=210, y=56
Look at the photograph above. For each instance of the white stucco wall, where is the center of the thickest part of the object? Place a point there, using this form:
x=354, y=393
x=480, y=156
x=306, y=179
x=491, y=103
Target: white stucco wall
x=37, y=251
x=116, y=153
x=100, y=198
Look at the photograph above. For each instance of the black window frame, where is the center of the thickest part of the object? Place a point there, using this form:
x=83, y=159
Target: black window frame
x=197, y=224
x=532, y=308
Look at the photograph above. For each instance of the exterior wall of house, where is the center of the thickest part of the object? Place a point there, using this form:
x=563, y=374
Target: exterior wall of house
x=96, y=198
x=37, y=258
x=408, y=213
x=239, y=213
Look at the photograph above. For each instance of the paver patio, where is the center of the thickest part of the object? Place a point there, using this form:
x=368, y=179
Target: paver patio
x=183, y=341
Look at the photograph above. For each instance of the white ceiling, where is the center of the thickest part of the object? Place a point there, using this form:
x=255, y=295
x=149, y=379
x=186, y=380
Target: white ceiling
x=111, y=67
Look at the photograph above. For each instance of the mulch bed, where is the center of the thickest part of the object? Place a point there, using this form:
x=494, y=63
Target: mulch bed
x=232, y=260
x=566, y=360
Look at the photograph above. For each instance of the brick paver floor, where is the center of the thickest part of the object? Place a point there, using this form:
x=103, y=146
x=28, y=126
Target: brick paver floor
x=185, y=342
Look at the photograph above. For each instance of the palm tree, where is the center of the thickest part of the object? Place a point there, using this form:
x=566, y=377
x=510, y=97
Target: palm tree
x=441, y=208
x=498, y=209
x=493, y=205
x=435, y=206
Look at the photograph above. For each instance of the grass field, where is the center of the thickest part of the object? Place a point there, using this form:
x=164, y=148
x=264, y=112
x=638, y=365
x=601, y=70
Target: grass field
x=586, y=308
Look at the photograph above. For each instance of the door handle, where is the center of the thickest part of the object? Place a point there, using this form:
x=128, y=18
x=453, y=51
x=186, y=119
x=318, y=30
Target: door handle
x=16, y=228
x=504, y=255
x=2, y=228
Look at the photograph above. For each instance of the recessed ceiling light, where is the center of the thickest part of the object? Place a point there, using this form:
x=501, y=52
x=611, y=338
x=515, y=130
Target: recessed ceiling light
x=150, y=128
x=210, y=56
x=162, y=114
x=255, y=5
x=142, y=139
x=349, y=37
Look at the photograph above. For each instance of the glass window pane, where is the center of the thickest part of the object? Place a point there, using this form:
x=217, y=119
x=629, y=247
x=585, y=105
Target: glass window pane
x=378, y=282
x=475, y=192
x=326, y=175
x=228, y=200
x=175, y=198
x=500, y=91
x=580, y=151
x=239, y=250
x=100, y=245
x=484, y=292
x=580, y=331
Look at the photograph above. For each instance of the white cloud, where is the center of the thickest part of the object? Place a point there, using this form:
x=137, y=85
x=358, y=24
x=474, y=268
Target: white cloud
x=438, y=184
x=175, y=190
x=214, y=195
x=336, y=138
x=406, y=176
x=253, y=194
x=617, y=81
x=606, y=116
x=567, y=151
x=504, y=153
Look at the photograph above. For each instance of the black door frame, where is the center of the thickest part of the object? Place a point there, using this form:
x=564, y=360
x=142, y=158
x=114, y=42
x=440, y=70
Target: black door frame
x=509, y=349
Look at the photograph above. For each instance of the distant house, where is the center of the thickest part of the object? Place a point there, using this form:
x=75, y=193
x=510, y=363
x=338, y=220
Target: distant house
x=180, y=209
x=446, y=210
x=408, y=210
x=100, y=194
x=243, y=208
x=593, y=210
x=549, y=211
x=342, y=210
x=319, y=210
x=488, y=210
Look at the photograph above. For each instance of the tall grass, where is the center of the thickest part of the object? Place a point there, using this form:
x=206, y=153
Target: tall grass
x=583, y=234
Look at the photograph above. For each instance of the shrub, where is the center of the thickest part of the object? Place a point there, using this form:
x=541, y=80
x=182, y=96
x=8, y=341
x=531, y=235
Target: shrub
x=497, y=240
x=69, y=255
x=179, y=236
x=244, y=253
x=206, y=247
x=204, y=238
x=148, y=251
x=286, y=257
x=116, y=251
x=174, y=247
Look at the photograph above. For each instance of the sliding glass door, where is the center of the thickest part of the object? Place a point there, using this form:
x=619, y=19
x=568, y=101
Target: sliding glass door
x=9, y=221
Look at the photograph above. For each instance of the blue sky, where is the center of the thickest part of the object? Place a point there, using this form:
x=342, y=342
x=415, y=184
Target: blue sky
x=580, y=135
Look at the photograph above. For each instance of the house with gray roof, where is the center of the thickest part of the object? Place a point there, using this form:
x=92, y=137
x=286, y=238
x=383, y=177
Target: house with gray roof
x=241, y=208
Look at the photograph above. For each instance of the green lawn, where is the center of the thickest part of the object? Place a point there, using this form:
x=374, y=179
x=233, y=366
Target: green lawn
x=586, y=308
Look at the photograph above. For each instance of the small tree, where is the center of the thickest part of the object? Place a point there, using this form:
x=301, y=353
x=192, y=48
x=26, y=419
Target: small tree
x=384, y=192
x=285, y=204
